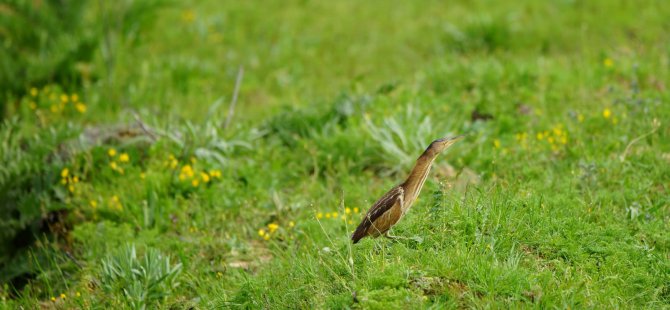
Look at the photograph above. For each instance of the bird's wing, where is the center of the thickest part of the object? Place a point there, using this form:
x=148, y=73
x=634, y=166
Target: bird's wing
x=385, y=203
x=380, y=207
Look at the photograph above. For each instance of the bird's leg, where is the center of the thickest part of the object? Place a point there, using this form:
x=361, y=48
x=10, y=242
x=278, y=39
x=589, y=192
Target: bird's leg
x=388, y=235
x=392, y=237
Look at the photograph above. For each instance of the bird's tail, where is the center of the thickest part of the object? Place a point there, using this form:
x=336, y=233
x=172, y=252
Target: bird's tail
x=359, y=233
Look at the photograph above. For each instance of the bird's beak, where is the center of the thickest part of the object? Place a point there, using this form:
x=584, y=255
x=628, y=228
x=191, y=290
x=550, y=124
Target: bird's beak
x=447, y=141
x=456, y=138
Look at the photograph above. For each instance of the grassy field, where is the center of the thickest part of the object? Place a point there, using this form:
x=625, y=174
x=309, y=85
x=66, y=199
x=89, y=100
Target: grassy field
x=122, y=187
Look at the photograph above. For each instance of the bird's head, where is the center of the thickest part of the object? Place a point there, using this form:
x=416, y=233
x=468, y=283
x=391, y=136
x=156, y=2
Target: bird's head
x=439, y=145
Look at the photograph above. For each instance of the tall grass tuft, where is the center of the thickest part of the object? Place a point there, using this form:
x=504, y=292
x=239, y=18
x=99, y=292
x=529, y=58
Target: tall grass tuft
x=144, y=280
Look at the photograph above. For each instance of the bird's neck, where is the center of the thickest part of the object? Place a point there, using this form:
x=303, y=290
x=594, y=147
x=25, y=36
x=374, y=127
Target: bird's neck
x=417, y=177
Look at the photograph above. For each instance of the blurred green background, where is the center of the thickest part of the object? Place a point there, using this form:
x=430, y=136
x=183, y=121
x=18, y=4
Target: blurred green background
x=122, y=186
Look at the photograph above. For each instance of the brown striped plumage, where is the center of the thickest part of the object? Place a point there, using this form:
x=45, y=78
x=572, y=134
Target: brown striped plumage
x=391, y=207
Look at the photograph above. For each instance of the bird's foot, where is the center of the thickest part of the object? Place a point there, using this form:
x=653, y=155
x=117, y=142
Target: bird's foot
x=416, y=239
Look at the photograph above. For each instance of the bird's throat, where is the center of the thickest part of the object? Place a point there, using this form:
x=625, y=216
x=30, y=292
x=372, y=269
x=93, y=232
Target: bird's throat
x=417, y=177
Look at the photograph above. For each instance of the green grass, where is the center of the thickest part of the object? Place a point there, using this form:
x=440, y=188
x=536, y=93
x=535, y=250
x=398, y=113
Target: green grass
x=558, y=197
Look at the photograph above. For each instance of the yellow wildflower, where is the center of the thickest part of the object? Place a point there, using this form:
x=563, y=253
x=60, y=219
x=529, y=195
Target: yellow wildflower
x=355, y=210
x=53, y=298
x=261, y=232
x=93, y=204
x=343, y=217
x=205, y=177
x=291, y=224
x=75, y=179
x=64, y=98
x=347, y=210
x=540, y=136
x=272, y=227
x=65, y=172
x=195, y=183
x=63, y=296
x=187, y=170
x=81, y=108
x=32, y=105
x=143, y=175
x=607, y=113
x=608, y=62
x=74, y=97
x=78, y=294
x=71, y=188
x=266, y=237
x=496, y=143
x=319, y=215
x=335, y=214
x=111, y=152
x=33, y=92
x=113, y=165
x=558, y=131
x=188, y=16
x=327, y=215
x=124, y=158
x=215, y=173
x=219, y=274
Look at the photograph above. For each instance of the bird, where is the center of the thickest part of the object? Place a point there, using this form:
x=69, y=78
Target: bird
x=393, y=205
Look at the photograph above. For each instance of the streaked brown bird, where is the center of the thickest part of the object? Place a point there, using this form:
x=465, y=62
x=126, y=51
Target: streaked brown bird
x=391, y=207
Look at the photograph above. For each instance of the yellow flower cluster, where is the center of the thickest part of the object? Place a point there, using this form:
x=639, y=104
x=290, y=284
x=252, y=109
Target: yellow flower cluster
x=123, y=158
x=608, y=115
x=172, y=162
x=62, y=296
x=56, y=100
x=189, y=174
x=267, y=233
x=68, y=180
x=188, y=16
x=522, y=139
x=347, y=216
x=608, y=62
x=556, y=137
x=272, y=230
x=496, y=143
x=115, y=203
